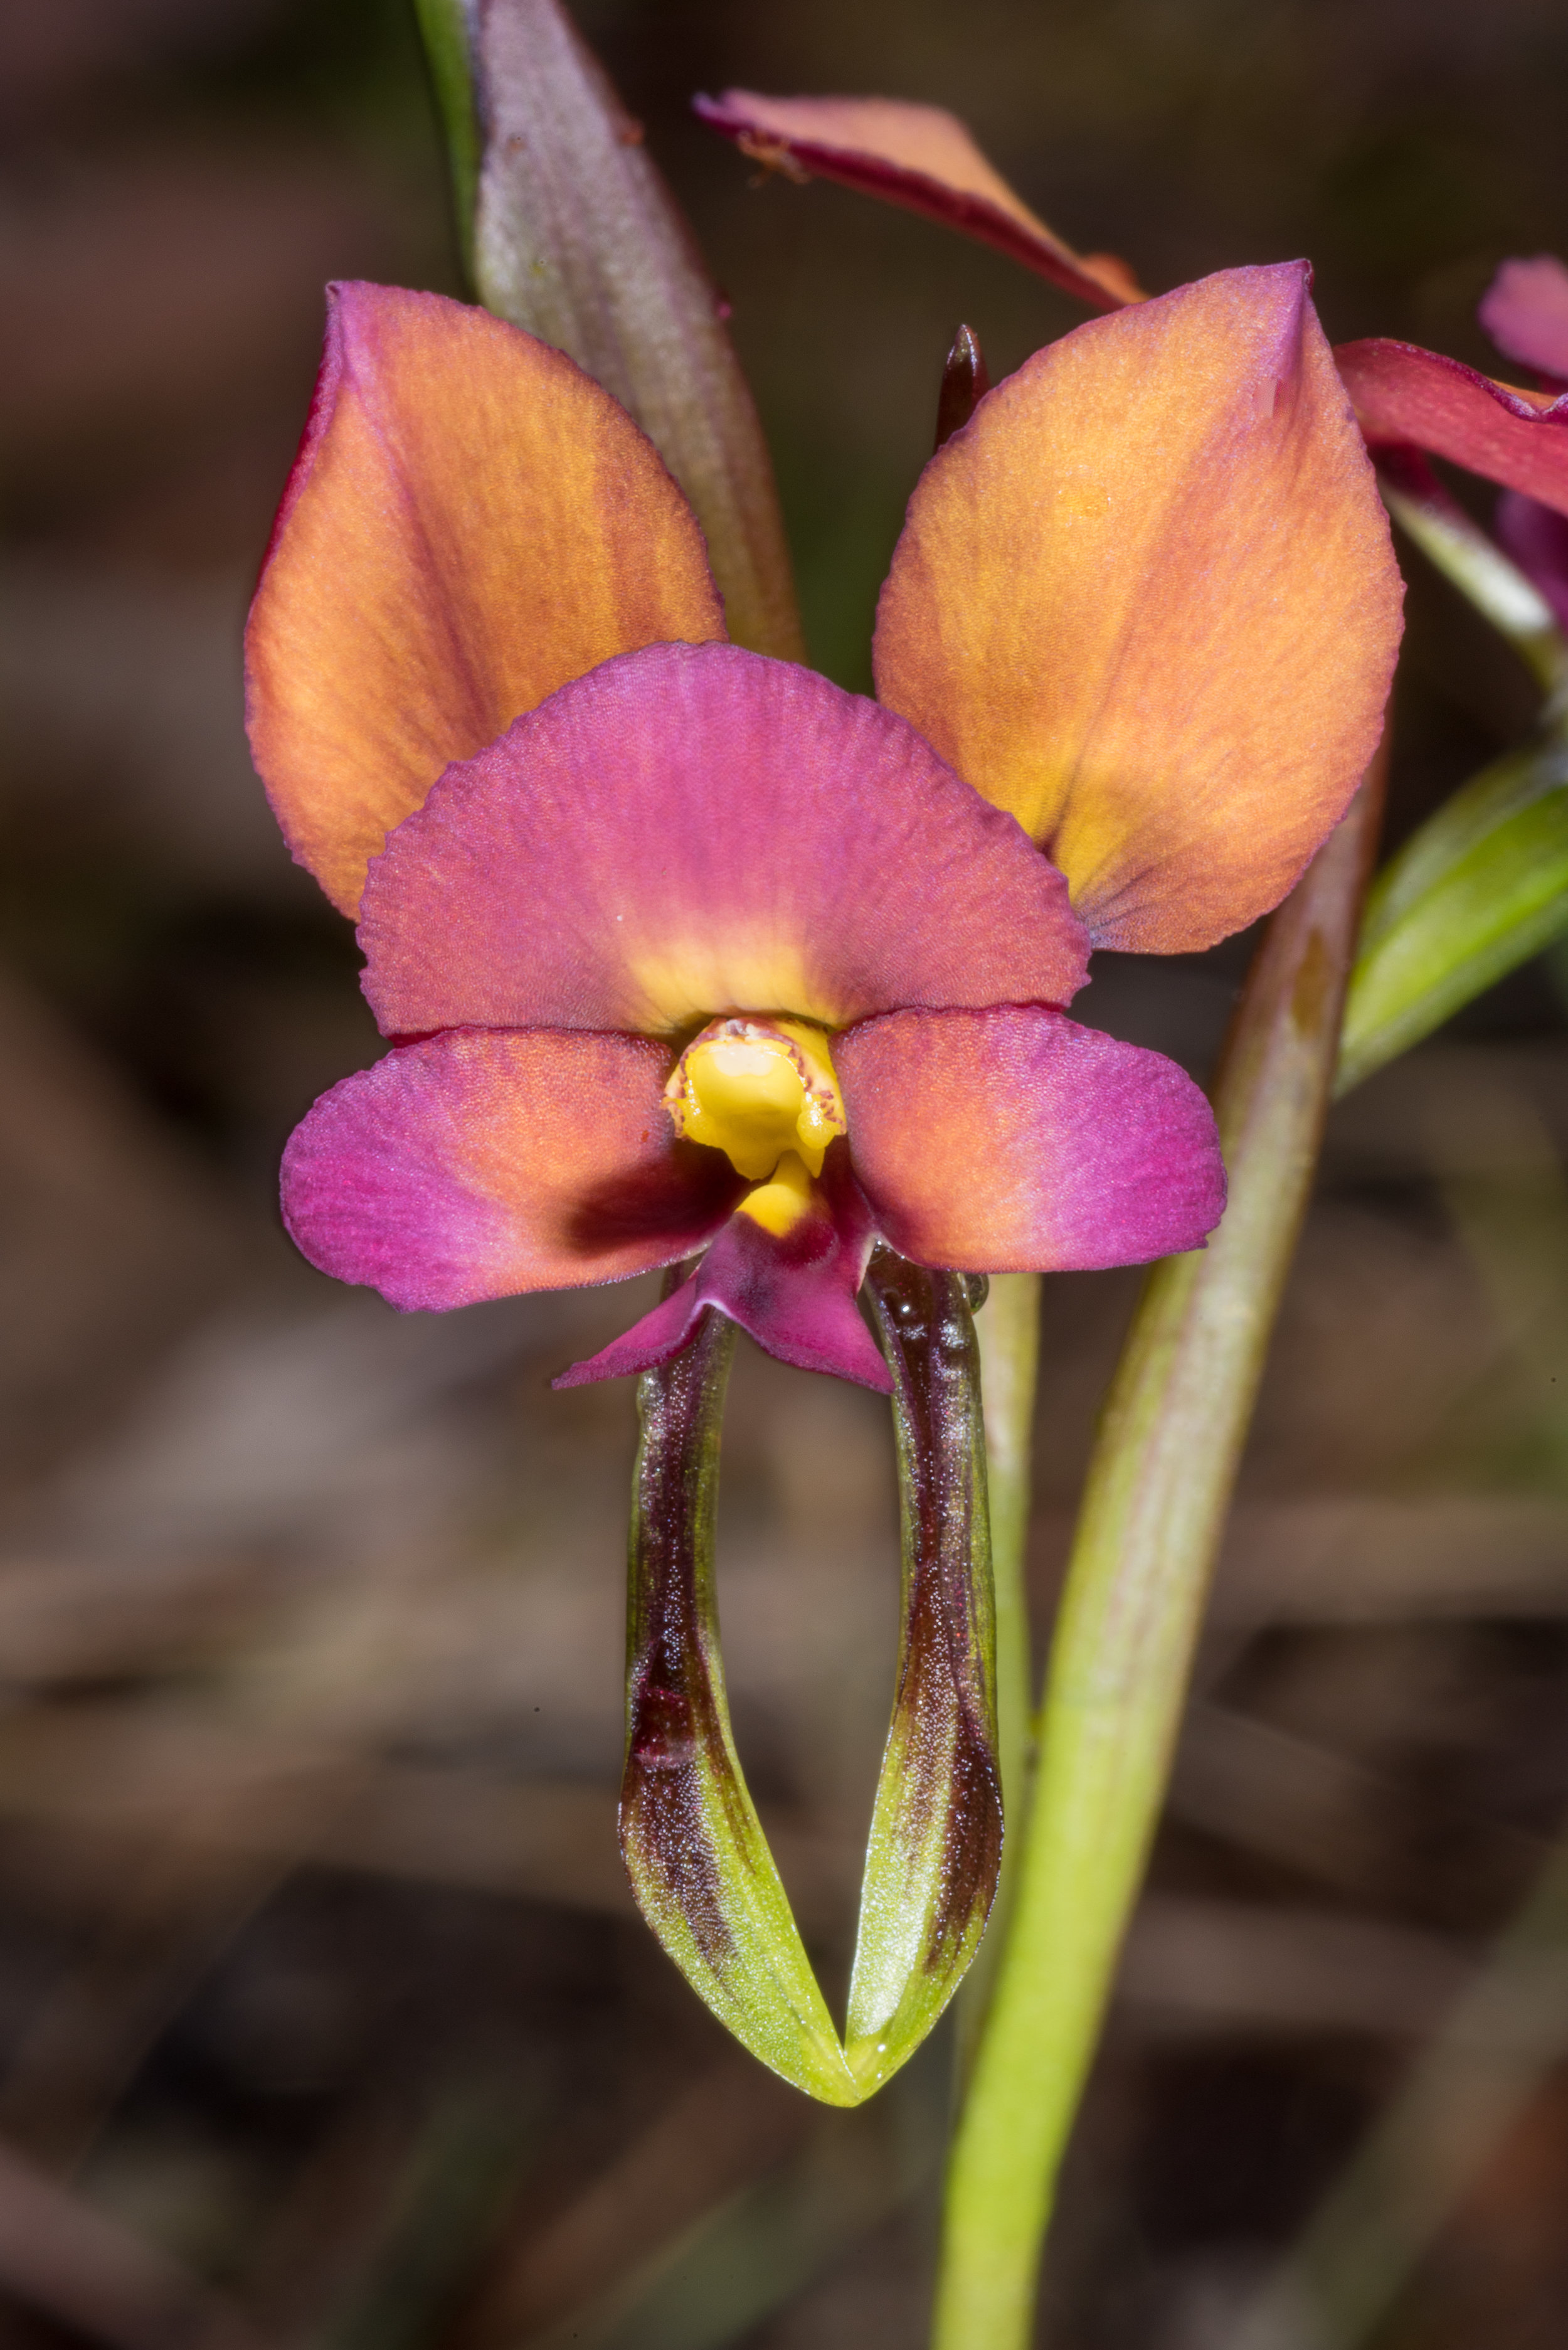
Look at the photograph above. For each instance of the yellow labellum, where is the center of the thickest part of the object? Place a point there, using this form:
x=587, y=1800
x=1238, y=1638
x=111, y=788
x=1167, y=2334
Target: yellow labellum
x=763, y=1092
x=779, y=1205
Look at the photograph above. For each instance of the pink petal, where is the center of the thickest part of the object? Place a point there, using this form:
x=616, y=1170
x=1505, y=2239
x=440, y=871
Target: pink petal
x=1537, y=538
x=693, y=830
x=1525, y=312
x=474, y=1166
x=923, y=157
x=795, y=1295
x=1403, y=393
x=1015, y=1141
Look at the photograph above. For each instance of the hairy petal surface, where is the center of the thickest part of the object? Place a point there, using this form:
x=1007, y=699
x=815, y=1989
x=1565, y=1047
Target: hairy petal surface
x=475, y=1165
x=694, y=830
x=1403, y=393
x=1525, y=312
x=794, y=1293
x=1015, y=1141
x=1146, y=601
x=471, y=521
x=923, y=157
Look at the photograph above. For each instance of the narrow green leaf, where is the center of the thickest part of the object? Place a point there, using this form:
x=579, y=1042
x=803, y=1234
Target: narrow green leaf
x=1478, y=889
x=1008, y=1334
x=447, y=29
x=575, y=237
x=699, y=1862
x=936, y=1834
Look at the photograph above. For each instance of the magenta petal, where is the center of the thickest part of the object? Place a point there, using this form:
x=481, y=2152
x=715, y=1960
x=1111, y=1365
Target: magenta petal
x=1525, y=312
x=1015, y=1140
x=478, y=1165
x=796, y=1296
x=1402, y=393
x=693, y=829
x=1537, y=538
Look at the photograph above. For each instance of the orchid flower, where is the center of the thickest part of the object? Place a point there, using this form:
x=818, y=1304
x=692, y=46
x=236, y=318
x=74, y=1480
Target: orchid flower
x=683, y=949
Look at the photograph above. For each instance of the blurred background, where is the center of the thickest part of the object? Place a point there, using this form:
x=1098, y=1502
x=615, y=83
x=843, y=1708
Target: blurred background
x=325, y=2018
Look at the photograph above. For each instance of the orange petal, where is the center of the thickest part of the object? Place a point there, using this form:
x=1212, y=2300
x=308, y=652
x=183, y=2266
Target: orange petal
x=923, y=157
x=470, y=523
x=1146, y=601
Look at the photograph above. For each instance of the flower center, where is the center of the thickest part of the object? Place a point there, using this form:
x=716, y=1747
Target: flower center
x=764, y=1093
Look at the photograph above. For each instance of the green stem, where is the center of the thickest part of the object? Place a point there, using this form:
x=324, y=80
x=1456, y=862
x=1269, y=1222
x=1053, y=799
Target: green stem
x=1009, y=1328
x=445, y=28
x=1009, y=1331
x=1154, y=1508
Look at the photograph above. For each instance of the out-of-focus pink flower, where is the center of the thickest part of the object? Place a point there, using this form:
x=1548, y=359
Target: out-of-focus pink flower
x=1525, y=312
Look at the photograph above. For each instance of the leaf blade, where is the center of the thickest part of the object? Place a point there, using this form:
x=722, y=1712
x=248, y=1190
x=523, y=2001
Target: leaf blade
x=1478, y=889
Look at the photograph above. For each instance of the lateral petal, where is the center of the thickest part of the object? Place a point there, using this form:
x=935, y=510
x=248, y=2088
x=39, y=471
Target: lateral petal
x=1146, y=601
x=471, y=521
x=693, y=830
x=477, y=1165
x=1094, y=1153
x=923, y=157
x=1402, y=393
x=794, y=1294
x=1525, y=312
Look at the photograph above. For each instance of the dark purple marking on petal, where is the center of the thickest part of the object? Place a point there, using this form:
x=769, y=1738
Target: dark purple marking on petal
x=478, y=1164
x=794, y=1296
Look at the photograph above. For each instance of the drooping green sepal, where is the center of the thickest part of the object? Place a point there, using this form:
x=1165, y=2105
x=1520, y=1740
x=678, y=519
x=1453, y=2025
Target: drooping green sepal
x=1478, y=889
x=694, y=1849
x=699, y=1862
x=936, y=1835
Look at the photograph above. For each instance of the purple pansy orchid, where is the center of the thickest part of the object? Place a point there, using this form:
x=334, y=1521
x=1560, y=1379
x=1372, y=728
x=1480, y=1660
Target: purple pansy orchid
x=873, y=962
x=702, y=954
